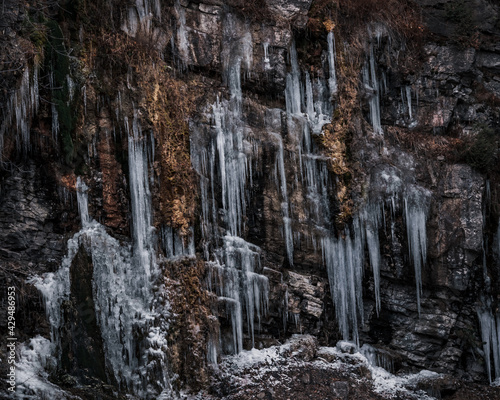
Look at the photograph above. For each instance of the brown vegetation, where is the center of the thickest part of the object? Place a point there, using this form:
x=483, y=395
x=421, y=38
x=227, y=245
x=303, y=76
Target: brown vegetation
x=189, y=332
x=168, y=103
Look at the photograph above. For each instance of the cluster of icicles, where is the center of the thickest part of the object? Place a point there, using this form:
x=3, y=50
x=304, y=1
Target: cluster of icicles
x=227, y=161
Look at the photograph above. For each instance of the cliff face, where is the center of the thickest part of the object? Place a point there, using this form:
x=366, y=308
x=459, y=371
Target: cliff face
x=182, y=181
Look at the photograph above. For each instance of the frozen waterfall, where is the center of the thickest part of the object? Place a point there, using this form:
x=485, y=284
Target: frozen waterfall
x=134, y=345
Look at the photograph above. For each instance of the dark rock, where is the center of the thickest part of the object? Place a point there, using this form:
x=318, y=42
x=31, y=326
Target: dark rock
x=340, y=390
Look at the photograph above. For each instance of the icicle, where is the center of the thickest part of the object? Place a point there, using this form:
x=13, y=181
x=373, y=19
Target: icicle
x=267, y=60
x=212, y=351
x=408, y=99
x=139, y=17
x=84, y=93
x=332, y=80
x=378, y=358
x=81, y=196
x=370, y=82
x=22, y=106
x=241, y=254
x=490, y=335
x=284, y=193
x=292, y=92
x=285, y=309
x=247, y=50
x=310, y=100
x=55, y=123
x=141, y=205
x=415, y=208
x=122, y=305
x=370, y=218
x=232, y=162
x=173, y=244
x=71, y=88
x=343, y=259
x=226, y=163
x=182, y=37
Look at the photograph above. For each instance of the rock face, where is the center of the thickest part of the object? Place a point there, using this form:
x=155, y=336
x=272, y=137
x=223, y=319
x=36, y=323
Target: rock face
x=30, y=228
x=347, y=181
